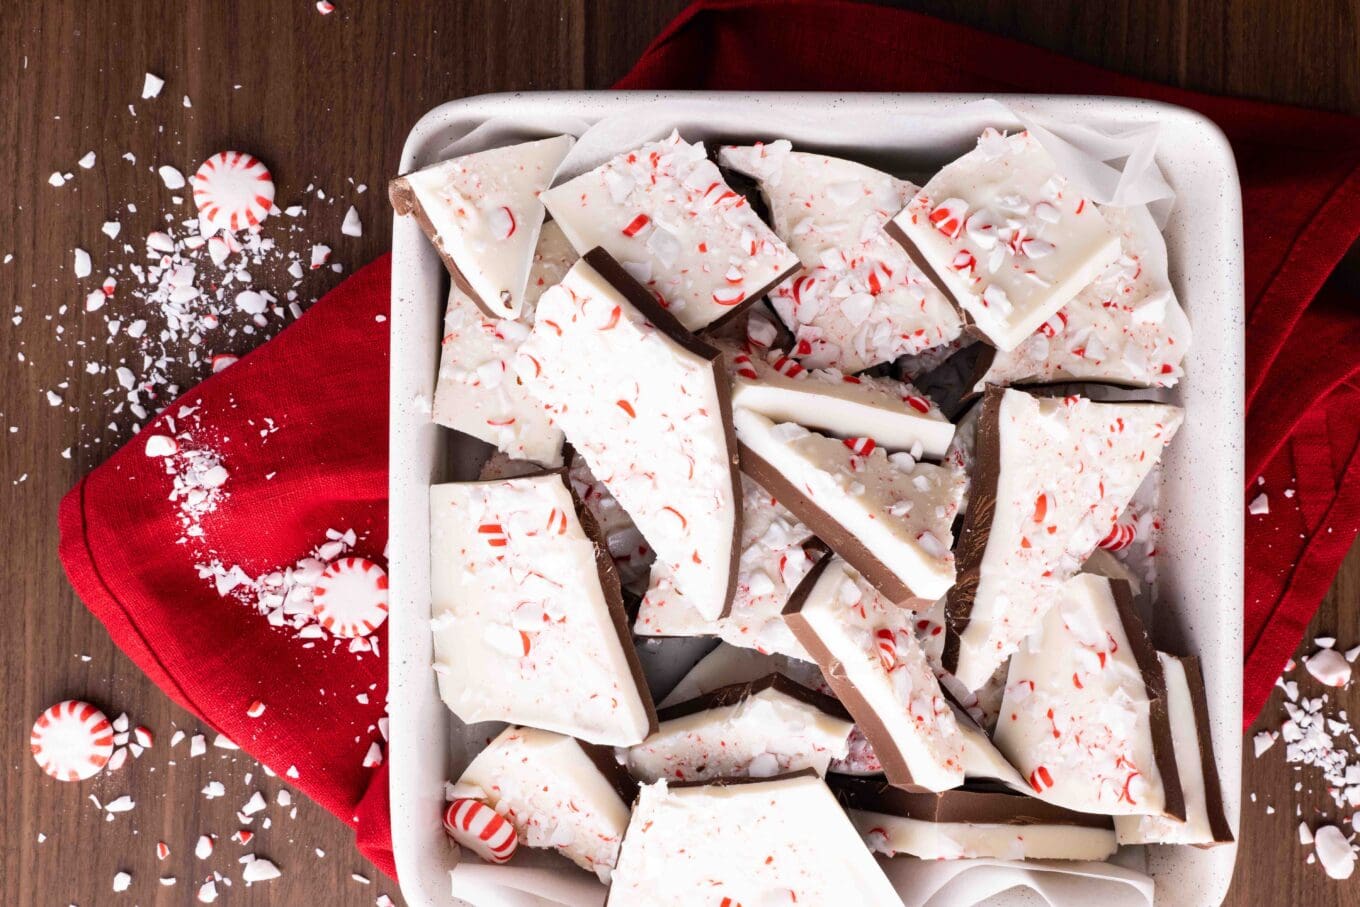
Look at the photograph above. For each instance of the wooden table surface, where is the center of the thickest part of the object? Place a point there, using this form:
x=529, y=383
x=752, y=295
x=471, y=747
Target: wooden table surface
x=327, y=99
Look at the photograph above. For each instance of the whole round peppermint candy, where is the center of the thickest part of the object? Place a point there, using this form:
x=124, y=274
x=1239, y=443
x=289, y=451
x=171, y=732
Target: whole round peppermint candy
x=72, y=740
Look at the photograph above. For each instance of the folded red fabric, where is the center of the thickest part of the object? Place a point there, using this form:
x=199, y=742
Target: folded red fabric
x=1300, y=172
x=324, y=383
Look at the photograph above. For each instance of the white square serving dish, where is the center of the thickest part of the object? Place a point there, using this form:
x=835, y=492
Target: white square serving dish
x=1201, y=551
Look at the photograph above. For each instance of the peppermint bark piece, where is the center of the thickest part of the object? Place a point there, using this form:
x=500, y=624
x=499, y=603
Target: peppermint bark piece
x=1126, y=327
x=868, y=654
x=893, y=413
x=559, y=794
x=527, y=617
x=771, y=564
x=1008, y=235
x=783, y=840
x=960, y=824
x=1084, y=715
x=766, y=727
x=482, y=213
x=478, y=392
x=888, y=516
x=859, y=299
x=647, y=406
x=632, y=555
x=1205, y=823
x=665, y=213
x=1051, y=478
x=727, y=665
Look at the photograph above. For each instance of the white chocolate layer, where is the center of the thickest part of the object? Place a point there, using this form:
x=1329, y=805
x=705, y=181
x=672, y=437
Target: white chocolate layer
x=646, y=415
x=893, y=835
x=771, y=564
x=478, y=392
x=1009, y=235
x=552, y=793
x=893, y=413
x=1068, y=467
x=881, y=675
x=1126, y=327
x=782, y=841
x=486, y=214
x=1075, y=718
x=665, y=213
x=523, y=630
x=768, y=733
x=1185, y=737
x=901, y=511
x=859, y=299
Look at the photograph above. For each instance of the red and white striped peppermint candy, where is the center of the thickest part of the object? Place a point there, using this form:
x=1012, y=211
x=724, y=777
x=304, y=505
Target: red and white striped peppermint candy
x=72, y=740
x=233, y=191
x=1121, y=536
x=479, y=828
x=350, y=599
x=861, y=447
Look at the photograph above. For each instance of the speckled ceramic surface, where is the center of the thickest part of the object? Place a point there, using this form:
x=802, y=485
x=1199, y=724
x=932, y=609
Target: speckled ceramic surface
x=1200, y=579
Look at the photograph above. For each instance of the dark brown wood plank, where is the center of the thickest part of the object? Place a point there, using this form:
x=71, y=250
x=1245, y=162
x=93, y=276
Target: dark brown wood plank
x=324, y=100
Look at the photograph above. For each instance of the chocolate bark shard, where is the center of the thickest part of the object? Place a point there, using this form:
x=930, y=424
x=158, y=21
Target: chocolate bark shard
x=889, y=516
x=664, y=211
x=859, y=300
x=1009, y=236
x=962, y=805
x=772, y=562
x=756, y=729
x=477, y=391
x=1084, y=717
x=869, y=656
x=1051, y=477
x=727, y=665
x=557, y=792
x=482, y=213
x=1205, y=823
x=647, y=405
x=891, y=412
x=962, y=824
x=1126, y=327
x=741, y=842
x=526, y=603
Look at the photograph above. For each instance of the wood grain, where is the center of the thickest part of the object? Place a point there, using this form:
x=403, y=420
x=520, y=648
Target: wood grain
x=325, y=100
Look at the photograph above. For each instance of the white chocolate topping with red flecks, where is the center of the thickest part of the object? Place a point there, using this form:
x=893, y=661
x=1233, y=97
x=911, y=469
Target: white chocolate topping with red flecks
x=1126, y=327
x=523, y=630
x=629, y=550
x=645, y=414
x=892, y=835
x=859, y=299
x=895, y=414
x=765, y=734
x=478, y=392
x=871, y=641
x=486, y=214
x=1185, y=740
x=771, y=564
x=727, y=665
x=552, y=793
x=665, y=213
x=1075, y=717
x=1010, y=236
x=1069, y=466
x=782, y=841
x=900, y=510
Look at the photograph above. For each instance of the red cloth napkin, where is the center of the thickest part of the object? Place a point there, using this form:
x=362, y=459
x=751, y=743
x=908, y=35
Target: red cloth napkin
x=324, y=381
